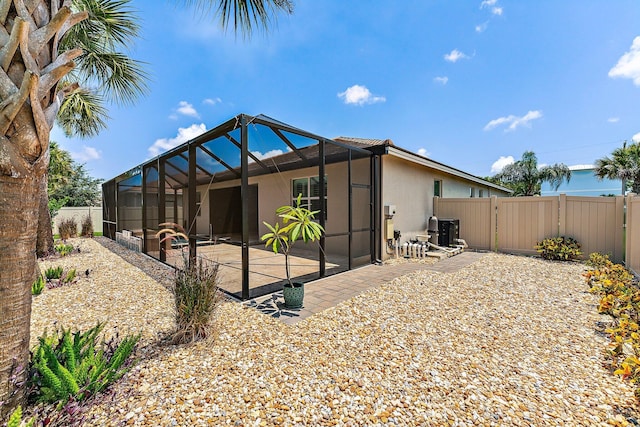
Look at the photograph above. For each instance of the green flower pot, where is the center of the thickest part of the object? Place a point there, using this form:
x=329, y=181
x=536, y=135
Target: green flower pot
x=293, y=296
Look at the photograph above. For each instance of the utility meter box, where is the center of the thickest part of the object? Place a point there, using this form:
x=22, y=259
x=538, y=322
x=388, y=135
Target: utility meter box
x=389, y=210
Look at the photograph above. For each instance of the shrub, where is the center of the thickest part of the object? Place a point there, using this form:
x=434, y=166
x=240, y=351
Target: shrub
x=597, y=260
x=77, y=365
x=52, y=273
x=86, y=226
x=15, y=420
x=63, y=249
x=70, y=276
x=619, y=298
x=559, y=248
x=196, y=297
x=67, y=227
x=38, y=286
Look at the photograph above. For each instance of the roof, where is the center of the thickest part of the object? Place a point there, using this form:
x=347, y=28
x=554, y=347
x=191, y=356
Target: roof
x=394, y=150
x=364, y=142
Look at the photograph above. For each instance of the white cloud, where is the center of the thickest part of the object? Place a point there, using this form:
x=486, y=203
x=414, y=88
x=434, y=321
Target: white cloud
x=87, y=153
x=628, y=65
x=487, y=3
x=442, y=80
x=359, y=95
x=212, y=101
x=423, y=152
x=497, y=11
x=187, y=109
x=636, y=137
x=454, y=56
x=184, y=135
x=480, y=28
x=499, y=164
x=613, y=119
x=514, y=121
x=260, y=156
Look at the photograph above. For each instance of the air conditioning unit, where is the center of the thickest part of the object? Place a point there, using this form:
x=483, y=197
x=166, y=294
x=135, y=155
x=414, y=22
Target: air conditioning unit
x=449, y=231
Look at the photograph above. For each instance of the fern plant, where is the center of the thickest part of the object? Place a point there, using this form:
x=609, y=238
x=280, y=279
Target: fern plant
x=77, y=364
x=15, y=419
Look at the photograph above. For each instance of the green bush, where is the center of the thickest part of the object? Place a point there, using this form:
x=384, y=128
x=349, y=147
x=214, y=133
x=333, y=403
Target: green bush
x=559, y=248
x=68, y=227
x=86, y=226
x=196, y=297
x=38, y=286
x=52, y=273
x=77, y=365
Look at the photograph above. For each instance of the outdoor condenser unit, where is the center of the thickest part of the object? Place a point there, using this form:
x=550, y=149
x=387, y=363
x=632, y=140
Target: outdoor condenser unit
x=449, y=231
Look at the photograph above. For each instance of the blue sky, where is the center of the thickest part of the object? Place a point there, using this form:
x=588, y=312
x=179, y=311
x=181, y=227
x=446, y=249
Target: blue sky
x=471, y=83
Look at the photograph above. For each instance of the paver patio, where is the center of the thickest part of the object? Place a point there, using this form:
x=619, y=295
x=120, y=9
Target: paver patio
x=332, y=290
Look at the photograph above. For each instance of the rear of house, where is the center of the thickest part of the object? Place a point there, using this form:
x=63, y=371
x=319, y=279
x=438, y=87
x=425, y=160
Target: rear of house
x=222, y=185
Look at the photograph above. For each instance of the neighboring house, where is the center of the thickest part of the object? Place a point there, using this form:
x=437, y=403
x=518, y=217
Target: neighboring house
x=229, y=180
x=584, y=183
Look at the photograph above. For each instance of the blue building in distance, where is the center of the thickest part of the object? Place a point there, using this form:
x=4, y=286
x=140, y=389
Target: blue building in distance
x=584, y=183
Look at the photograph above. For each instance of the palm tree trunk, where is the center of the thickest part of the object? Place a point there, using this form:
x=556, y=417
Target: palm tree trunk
x=44, y=244
x=19, y=218
x=30, y=69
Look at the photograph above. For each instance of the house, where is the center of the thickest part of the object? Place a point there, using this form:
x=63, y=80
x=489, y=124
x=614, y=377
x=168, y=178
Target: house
x=223, y=184
x=583, y=182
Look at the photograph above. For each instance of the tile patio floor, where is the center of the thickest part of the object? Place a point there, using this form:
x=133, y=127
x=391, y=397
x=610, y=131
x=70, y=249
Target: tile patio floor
x=330, y=291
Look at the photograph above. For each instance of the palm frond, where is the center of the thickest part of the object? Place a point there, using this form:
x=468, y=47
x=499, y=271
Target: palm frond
x=121, y=78
x=110, y=21
x=245, y=15
x=82, y=113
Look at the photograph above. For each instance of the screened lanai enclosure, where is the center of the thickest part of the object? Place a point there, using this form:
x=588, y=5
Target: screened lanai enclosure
x=222, y=185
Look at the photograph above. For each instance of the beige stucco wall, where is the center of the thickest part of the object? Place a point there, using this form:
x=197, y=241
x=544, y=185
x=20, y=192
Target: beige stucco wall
x=409, y=186
x=79, y=214
x=275, y=190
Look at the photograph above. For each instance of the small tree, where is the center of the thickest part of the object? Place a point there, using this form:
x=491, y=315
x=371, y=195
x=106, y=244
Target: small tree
x=624, y=164
x=298, y=222
x=525, y=178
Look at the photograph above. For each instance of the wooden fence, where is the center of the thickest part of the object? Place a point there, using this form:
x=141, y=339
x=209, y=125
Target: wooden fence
x=516, y=224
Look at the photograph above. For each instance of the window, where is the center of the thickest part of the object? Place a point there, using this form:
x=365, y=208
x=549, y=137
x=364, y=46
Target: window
x=309, y=188
x=198, y=203
x=480, y=193
x=437, y=188
x=472, y=192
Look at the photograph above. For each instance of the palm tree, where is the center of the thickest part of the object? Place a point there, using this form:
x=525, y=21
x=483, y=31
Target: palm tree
x=525, y=178
x=41, y=68
x=110, y=25
x=624, y=164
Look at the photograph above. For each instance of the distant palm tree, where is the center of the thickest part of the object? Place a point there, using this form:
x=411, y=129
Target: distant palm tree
x=624, y=164
x=525, y=178
x=51, y=52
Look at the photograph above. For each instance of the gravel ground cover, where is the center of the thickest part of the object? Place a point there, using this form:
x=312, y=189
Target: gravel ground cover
x=506, y=341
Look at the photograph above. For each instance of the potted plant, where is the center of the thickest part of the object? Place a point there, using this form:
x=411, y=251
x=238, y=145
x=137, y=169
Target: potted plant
x=297, y=222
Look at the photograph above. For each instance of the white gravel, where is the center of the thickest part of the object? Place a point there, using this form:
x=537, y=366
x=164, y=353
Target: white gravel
x=506, y=341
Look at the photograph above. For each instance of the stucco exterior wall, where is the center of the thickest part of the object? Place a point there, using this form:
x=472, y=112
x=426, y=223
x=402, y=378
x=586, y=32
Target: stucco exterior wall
x=275, y=190
x=410, y=187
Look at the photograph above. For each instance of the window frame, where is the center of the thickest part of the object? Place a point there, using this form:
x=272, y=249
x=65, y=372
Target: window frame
x=306, y=200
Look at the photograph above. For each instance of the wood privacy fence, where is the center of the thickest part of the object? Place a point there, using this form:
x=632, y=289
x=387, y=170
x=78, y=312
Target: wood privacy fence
x=516, y=224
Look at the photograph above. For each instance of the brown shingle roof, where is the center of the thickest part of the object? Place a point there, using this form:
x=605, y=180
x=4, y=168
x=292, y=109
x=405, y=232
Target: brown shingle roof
x=363, y=142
